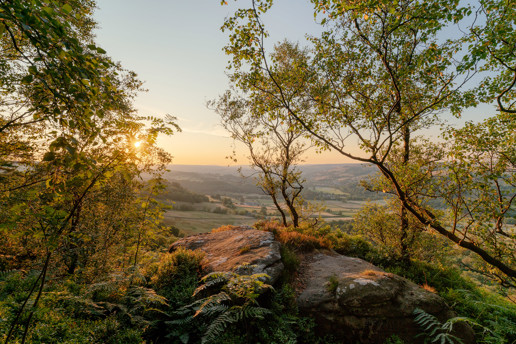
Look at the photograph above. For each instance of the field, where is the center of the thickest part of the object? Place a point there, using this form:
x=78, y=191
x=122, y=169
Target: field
x=200, y=218
x=334, y=194
x=195, y=222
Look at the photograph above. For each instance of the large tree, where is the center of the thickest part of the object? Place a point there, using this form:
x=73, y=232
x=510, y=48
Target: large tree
x=67, y=130
x=380, y=71
x=274, y=149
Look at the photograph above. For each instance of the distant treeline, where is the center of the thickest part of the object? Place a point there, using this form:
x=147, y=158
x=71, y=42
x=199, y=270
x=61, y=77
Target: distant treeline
x=352, y=190
x=177, y=193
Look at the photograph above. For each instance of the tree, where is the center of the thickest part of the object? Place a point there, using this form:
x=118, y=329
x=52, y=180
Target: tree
x=67, y=130
x=274, y=149
x=379, y=72
x=477, y=184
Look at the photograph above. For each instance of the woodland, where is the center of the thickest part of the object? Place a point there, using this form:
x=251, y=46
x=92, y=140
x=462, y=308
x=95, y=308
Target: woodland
x=83, y=243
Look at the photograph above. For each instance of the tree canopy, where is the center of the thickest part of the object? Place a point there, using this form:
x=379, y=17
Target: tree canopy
x=68, y=160
x=381, y=72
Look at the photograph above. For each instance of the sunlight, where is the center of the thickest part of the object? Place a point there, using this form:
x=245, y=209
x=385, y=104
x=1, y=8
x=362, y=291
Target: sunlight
x=137, y=144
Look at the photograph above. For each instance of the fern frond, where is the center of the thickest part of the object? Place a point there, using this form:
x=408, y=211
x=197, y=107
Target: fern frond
x=434, y=330
x=180, y=322
x=218, y=281
x=218, y=326
x=212, y=301
x=255, y=312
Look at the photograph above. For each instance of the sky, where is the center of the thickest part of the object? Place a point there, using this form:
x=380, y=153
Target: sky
x=175, y=47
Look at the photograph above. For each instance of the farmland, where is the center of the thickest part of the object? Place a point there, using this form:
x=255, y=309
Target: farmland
x=332, y=193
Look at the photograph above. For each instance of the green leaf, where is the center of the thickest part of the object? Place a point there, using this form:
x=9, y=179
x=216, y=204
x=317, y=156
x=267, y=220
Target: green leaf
x=49, y=156
x=27, y=79
x=67, y=8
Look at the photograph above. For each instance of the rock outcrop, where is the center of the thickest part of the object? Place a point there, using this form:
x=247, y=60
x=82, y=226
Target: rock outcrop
x=349, y=298
x=356, y=301
x=227, y=250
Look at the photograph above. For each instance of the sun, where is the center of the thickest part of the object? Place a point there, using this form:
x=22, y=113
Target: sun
x=137, y=144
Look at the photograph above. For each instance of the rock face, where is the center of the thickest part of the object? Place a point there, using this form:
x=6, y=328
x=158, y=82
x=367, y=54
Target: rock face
x=349, y=298
x=356, y=301
x=228, y=249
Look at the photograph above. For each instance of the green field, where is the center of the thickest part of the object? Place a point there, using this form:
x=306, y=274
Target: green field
x=195, y=222
x=201, y=220
x=330, y=190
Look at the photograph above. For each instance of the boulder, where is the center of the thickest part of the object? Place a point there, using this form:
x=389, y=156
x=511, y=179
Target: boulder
x=356, y=301
x=229, y=249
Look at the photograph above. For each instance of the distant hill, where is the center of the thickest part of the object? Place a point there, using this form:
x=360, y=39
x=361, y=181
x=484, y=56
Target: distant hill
x=352, y=170
x=226, y=180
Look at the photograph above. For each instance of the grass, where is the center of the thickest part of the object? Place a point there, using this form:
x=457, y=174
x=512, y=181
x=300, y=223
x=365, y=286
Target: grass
x=330, y=190
x=195, y=222
x=332, y=284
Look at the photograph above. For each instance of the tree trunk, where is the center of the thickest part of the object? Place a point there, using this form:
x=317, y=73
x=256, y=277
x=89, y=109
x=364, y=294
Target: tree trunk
x=282, y=213
x=404, y=220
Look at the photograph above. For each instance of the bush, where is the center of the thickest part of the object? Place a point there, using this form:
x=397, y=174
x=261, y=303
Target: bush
x=68, y=313
x=302, y=242
x=290, y=260
x=269, y=226
x=223, y=228
x=219, y=210
x=177, y=275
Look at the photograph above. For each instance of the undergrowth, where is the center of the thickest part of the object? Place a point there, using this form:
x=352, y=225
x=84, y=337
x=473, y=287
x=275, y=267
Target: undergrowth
x=164, y=303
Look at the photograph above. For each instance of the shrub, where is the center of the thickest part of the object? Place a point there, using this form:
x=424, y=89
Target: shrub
x=290, y=260
x=269, y=226
x=110, y=311
x=352, y=245
x=219, y=210
x=434, y=331
x=224, y=228
x=233, y=304
x=177, y=275
x=302, y=242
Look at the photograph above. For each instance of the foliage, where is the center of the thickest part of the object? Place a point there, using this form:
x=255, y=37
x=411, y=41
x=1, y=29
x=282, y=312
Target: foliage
x=223, y=228
x=228, y=203
x=377, y=73
x=274, y=149
x=493, y=316
x=235, y=303
x=308, y=237
x=71, y=200
x=177, y=275
x=381, y=225
x=290, y=260
x=109, y=311
x=302, y=242
x=434, y=330
x=478, y=188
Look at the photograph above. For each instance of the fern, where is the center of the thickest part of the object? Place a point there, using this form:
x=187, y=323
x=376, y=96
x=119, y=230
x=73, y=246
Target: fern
x=211, y=302
x=233, y=301
x=256, y=312
x=218, y=326
x=7, y=273
x=435, y=331
x=212, y=280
